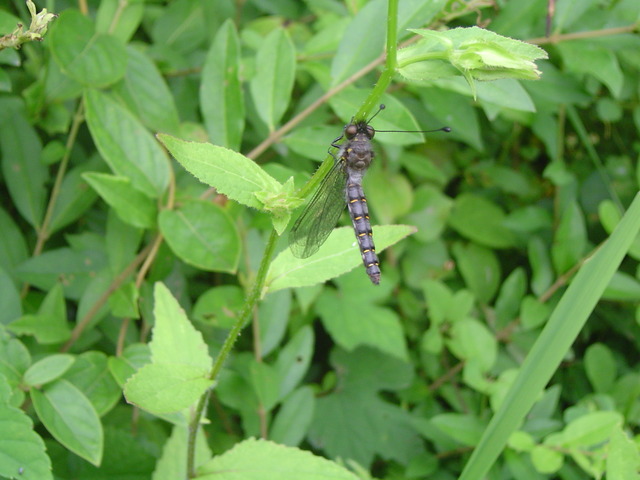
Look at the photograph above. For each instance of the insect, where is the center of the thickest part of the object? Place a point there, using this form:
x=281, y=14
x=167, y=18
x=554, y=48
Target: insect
x=343, y=184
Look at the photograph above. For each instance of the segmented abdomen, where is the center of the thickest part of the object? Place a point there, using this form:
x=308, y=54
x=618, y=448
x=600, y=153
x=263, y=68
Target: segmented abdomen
x=359, y=213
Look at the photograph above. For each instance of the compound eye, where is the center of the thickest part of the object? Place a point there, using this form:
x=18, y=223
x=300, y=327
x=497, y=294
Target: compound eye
x=370, y=131
x=351, y=131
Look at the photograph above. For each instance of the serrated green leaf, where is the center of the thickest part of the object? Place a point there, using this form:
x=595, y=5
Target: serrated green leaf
x=126, y=145
x=338, y=255
x=263, y=460
x=14, y=360
x=223, y=108
x=166, y=388
x=175, y=340
x=93, y=59
x=229, y=172
x=203, y=235
x=23, y=450
x=179, y=372
x=134, y=357
x=272, y=84
x=473, y=52
x=623, y=457
x=70, y=418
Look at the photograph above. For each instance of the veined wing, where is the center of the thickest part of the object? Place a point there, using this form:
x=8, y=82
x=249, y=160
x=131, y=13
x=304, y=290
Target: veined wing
x=317, y=220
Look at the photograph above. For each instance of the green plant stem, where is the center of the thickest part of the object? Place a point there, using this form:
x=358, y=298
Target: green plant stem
x=227, y=346
x=44, y=231
x=374, y=97
x=390, y=65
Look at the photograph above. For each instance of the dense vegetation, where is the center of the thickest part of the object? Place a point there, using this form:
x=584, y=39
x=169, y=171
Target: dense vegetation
x=153, y=156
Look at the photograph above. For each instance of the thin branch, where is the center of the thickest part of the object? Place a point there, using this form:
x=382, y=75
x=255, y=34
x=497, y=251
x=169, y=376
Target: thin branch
x=115, y=284
x=564, y=37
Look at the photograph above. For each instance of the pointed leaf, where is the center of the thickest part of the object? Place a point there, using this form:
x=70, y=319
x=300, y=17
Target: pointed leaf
x=131, y=205
x=175, y=340
x=23, y=172
x=272, y=84
x=203, y=235
x=229, y=172
x=361, y=42
x=263, y=460
x=145, y=92
x=91, y=375
x=23, y=450
x=71, y=419
x=338, y=255
x=126, y=145
x=48, y=369
x=291, y=423
x=74, y=199
x=178, y=374
x=91, y=58
x=481, y=221
x=166, y=388
x=223, y=108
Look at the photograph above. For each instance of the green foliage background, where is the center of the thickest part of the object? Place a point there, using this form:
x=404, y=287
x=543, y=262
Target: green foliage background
x=396, y=381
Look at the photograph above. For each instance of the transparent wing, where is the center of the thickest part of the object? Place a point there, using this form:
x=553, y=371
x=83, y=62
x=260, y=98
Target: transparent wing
x=322, y=213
